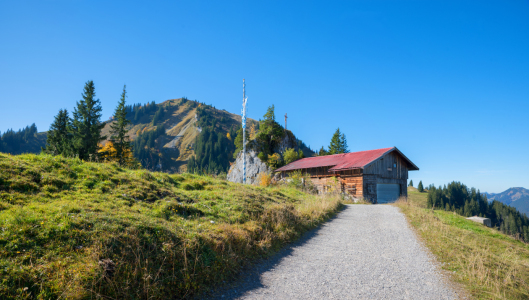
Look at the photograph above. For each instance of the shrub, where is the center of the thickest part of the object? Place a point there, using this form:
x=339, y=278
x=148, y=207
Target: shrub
x=290, y=155
x=263, y=157
x=274, y=160
x=264, y=179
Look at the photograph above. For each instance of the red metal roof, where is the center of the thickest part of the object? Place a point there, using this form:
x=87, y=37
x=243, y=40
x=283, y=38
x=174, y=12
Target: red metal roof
x=345, y=161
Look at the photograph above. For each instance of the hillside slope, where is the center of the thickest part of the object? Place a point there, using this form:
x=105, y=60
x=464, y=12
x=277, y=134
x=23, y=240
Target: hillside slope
x=517, y=197
x=80, y=230
x=487, y=263
x=170, y=150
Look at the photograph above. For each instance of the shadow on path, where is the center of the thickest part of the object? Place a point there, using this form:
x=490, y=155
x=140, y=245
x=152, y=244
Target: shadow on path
x=250, y=277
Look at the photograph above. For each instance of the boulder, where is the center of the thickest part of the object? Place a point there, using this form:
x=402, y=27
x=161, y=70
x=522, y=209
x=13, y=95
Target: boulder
x=254, y=166
x=484, y=221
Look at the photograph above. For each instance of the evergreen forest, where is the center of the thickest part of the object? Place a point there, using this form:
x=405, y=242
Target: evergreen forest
x=214, y=146
x=146, y=150
x=25, y=140
x=468, y=202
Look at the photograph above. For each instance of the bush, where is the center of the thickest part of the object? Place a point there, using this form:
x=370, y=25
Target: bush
x=290, y=155
x=263, y=157
x=264, y=179
x=274, y=160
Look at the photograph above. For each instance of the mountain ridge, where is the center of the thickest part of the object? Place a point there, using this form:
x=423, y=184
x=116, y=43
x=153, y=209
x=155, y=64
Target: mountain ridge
x=517, y=197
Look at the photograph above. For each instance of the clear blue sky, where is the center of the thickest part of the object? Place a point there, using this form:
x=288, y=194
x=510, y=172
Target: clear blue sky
x=447, y=82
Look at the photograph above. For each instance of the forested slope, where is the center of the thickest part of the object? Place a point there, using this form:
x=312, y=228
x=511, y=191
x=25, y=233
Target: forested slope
x=26, y=140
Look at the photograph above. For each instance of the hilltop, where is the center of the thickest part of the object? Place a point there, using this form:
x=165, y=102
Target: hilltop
x=81, y=230
x=517, y=197
x=165, y=134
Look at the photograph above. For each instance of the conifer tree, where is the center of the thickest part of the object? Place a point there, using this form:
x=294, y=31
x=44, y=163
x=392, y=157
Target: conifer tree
x=343, y=143
x=158, y=116
x=59, y=138
x=420, y=187
x=86, y=124
x=411, y=183
x=118, y=132
x=238, y=142
x=270, y=132
x=322, y=152
x=338, y=143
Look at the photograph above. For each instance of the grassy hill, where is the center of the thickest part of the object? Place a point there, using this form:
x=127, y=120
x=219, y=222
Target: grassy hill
x=487, y=263
x=77, y=230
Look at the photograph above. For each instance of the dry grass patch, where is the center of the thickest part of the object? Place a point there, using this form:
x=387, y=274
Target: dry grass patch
x=489, y=264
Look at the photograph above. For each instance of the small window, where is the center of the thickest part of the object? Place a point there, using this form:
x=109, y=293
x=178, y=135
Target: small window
x=394, y=165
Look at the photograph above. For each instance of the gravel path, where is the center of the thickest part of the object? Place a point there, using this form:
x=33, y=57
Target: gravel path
x=365, y=252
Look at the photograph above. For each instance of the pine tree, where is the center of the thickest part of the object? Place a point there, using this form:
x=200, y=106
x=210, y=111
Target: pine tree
x=158, y=116
x=270, y=132
x=59, y=138
x=420, y=187
x=322, y=152
x=343, y=144
x=119, y=137
x=338, y=143
x=411, y=183
x=86, y=124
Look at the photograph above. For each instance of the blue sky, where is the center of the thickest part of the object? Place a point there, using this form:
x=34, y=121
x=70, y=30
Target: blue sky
x=447, y=82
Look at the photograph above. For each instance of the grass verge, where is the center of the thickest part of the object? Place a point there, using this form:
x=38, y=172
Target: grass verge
x=77, y=230
x=489, y=264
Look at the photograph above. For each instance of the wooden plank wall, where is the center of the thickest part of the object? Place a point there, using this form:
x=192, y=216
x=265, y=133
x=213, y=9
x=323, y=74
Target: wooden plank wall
x=370, y=187
x=353, y=185
x=351, y=181
x=384, y=167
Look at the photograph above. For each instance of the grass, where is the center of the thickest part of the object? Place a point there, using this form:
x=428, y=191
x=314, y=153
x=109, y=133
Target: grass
x=487, y=263
x=77, y=230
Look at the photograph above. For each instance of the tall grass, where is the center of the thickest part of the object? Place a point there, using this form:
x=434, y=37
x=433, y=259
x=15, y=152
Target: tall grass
x=489, y=264
x=76, y=230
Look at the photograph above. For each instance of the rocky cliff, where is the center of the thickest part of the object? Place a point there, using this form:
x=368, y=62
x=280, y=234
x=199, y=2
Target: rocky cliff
x=254, y=166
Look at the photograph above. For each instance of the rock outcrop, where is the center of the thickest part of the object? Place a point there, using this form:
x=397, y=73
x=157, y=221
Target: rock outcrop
x=288, y=141
x=254, y=166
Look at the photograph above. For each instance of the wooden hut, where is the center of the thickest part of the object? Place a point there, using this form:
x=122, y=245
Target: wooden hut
x=379, y=176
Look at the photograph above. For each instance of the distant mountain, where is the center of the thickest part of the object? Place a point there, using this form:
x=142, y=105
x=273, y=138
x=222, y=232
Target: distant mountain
x=517, y=197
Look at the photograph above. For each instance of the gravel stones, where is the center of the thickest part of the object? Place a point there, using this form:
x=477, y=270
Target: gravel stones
x=365, y=252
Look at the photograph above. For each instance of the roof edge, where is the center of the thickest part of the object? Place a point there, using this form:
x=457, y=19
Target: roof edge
x=414, y=167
